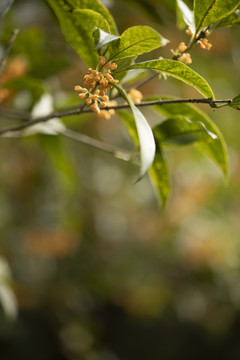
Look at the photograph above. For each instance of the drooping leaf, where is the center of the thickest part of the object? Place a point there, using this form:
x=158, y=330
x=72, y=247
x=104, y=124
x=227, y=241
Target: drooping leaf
x=158, y=171
x=180, y=71
x=5, y=6
x=159, y=175
x=187, y=14
x=206, y=12
x=229, y=20
x=145, y=135
x=136, y=40
x=181, y=131
x=103, y=38
x=215, y=149
x=78, y=18
x=235, y=103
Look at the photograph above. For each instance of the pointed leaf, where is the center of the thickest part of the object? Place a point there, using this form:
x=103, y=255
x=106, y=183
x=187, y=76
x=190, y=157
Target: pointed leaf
x=181, y=130
x=215, y=149
x=145, y=135
x=103, y=38
x=235, y=103
x=206, y=12
x=187, y=14
x=158, y=171
x=136, y=40
x=180, y=71
x=78, y=18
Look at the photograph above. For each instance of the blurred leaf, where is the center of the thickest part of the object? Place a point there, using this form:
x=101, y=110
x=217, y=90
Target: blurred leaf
x=180, y=71
x=215, y=149
x=206, y=12
x=103, y=38
x=35, y=86
x=237, y=101
x=229, y=20
x=5, y=6
x=136, y=40
x=78, y=18
x=145, y=135
x=187, y=14
x=181, y=130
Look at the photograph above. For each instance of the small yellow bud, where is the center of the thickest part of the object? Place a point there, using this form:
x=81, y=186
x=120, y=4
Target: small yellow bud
x=88, y=101
x=77, y=88
x=182, y=47
x=81, y=96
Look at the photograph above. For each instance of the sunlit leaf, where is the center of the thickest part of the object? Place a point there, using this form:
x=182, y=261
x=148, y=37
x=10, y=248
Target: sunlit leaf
x=78, y=18
x=229, y=20
x=103, y=38
x=145, y=135
x=180, y=71
x=5, y=6
x=8, y=300
x=187, y=14
x=206, y=12
x=136, y=40
x=215, y=149
x=181, y=130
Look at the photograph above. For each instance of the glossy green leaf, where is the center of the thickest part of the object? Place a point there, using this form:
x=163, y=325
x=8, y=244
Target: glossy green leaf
x=187, y=14
x=145, y=135
x=179, y=71
x=235, y=103
x=78, y=18
x=158, y=171
x=215, y=149
x=136, y=40
x=229, y=20
x=181, y=130
x=159, y=175
x=5, y=6
x=103, y=38
x=206, y=12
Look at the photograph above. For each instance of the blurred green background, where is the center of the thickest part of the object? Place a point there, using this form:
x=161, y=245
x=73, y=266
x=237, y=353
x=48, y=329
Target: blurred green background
x=99, y=271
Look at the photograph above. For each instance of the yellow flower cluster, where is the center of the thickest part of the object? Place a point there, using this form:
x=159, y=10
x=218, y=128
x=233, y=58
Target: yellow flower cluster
x=135, y=95
x=204, y=44
x=186, y=57
x=98, y=82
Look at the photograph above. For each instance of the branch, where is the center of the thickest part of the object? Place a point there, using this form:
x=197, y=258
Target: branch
x=80, y=110
x=8, y=49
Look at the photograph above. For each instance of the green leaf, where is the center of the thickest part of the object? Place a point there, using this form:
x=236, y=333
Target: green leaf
x=235, y=103
x=103, y=38
x=5, y=6
x=206, y=12
x=229, y=20
x=136, y=40
x=187, y=14
x=215, y=149
x=159, y=175
x=181, y=131
x=158, y=171
x=78, y=18
x=145, y=135
x=180, y=71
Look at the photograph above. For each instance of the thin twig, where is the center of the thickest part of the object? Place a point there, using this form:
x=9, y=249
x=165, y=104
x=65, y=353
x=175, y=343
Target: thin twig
x=8, y=49
x=78, y=111
x=116, y=152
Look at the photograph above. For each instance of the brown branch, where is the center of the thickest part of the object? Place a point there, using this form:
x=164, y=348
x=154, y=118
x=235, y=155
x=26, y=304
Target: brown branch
x=78, y=111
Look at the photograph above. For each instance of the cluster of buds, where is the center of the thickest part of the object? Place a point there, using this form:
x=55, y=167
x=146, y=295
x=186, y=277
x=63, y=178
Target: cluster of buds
x=184, y=56
x=135, y=95
x=204, y=44
x=98, y=81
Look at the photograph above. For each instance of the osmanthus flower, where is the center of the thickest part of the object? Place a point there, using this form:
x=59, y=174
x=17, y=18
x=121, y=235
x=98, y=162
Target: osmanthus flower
x=97, y=82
